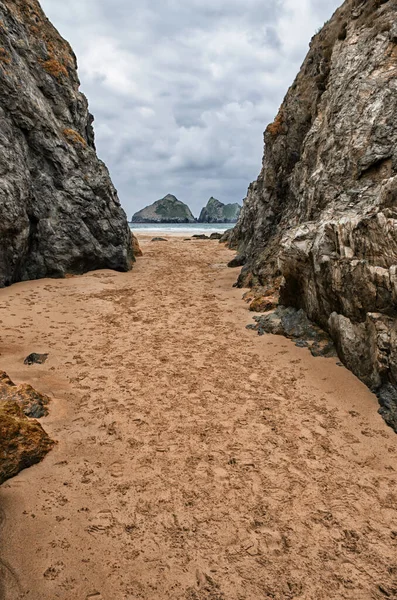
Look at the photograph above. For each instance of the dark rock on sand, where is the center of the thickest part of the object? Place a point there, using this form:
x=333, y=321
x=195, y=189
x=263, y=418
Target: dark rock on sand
x=238, y=261
x=59, y=211
x=159, y=239
x=200, y=236
x=215, y=236
x=35, y=358
x=387, y=396
x=295, y=325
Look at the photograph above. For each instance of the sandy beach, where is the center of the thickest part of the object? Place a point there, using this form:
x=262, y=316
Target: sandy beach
x=195, y=460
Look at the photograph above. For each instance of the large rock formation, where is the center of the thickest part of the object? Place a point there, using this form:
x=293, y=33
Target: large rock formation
x=59, y=211
x=217, y=212
x=323, y=212
x=167, y=210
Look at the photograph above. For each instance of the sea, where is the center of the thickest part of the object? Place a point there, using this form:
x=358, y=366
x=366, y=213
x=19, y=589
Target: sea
x=187, y=229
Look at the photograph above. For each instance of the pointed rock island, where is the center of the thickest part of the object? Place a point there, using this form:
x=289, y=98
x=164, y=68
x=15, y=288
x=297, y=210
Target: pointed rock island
x=167, y=210
x=217, y=212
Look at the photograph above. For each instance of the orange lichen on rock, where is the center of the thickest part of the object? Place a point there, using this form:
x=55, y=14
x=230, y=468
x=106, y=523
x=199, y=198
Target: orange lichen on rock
x=4, y=56
x=264, y=303
x=276, y=127
x=73, y=137
x=60, y=54
x=55, y=68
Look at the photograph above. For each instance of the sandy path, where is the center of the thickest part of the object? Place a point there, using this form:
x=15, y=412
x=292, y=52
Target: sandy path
x=196, y=460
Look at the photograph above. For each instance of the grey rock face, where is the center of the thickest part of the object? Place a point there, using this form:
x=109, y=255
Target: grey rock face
x=323, y=212
x=59, y=209
x=167, y=210
x=217, y=212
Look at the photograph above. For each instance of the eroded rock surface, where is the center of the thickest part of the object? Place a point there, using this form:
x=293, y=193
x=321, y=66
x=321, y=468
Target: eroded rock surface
x=59, y=210
x=23, y=442
x=323, y=212
x=33, y=404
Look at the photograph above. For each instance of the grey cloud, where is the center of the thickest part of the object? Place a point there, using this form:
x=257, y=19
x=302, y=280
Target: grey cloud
x=183, y=89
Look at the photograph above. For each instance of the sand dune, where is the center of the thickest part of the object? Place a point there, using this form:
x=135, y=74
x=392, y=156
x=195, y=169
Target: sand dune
x=195, y=460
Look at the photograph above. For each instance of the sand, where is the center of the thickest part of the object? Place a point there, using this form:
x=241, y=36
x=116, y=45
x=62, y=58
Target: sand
x=195, y=459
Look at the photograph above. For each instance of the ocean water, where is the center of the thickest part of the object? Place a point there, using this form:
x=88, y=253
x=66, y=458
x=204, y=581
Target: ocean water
x=187, y=229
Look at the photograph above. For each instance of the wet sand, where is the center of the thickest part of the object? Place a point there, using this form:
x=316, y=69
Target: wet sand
x=195, y=459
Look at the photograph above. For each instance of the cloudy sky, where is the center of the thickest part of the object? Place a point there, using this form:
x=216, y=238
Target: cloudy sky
x=182, y=90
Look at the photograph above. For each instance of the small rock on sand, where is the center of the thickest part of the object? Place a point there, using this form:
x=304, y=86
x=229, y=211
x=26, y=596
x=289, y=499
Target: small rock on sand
x=35, y=359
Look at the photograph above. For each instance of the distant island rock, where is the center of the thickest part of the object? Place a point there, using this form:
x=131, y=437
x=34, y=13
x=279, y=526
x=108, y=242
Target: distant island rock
x=217, y=212
x=167, y=210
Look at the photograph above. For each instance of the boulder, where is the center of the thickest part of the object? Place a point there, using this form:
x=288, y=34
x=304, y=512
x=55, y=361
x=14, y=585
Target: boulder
x=60, y=213
x=33, y=404
x=23, y=442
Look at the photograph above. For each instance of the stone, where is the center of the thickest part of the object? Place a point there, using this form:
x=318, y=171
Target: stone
x=167, y=210
x=238, y=261
x=33, y=404
x=35, y=359
x=387, y=396
x=23, y=442
x=217, y=212
x=322, y=214
x=136, y=249
x=60, y=213
x=295, y=325
x=159, y=239
x=215, y=236
x=264, y=303
x=200, y=236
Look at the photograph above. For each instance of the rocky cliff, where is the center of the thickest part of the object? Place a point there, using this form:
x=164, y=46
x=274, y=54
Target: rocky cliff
x=322, y=215
x=167, y=210
x=217, y=212
x=59, y=211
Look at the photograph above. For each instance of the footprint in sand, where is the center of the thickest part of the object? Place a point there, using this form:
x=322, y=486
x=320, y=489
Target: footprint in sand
x=10, y=587
x=101, y=523
x=94, y=596
x=116, y=470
